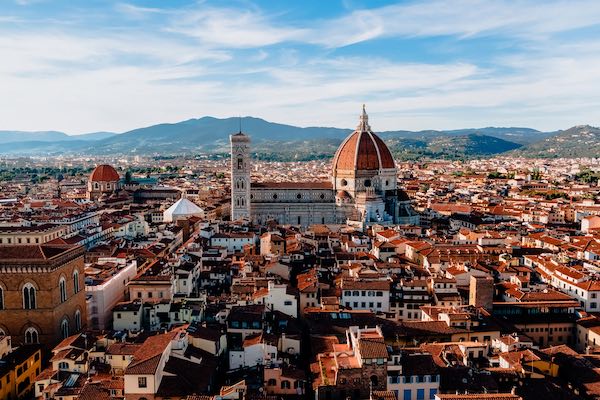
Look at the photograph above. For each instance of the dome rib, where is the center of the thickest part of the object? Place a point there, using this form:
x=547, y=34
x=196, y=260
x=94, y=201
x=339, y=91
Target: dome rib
x=363, y=150
x=104, y=173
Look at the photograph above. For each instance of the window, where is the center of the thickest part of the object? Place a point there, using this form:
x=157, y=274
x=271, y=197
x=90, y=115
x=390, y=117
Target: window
x=142, y=382
x=272, y=382
x=77, y=320
x=29, y=297
x=64, y=328
x=62, y=285
x=287, y=303
x=31, y=336
x=76, y=282
x=420, y=394
x=407, y=394
x=432, y=393
x=63, y=365
x=285, y=384
x=367, y=183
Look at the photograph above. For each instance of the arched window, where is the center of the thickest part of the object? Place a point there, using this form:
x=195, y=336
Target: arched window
x=77, y=320
x=64, y=328
x=63, y=365
x=31, y=336
x=62, y=285
x=272, y=382
x=76, y=281
x=29, y=302
x=285, y=384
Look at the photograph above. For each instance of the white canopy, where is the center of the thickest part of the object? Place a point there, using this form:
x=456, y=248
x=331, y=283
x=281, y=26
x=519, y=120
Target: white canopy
x=183, y=208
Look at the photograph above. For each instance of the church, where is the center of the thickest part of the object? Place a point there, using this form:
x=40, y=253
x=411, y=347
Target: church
x=363, y=189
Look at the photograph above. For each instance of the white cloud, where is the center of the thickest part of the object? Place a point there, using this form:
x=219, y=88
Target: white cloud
x=213, y=61
x=232, y=28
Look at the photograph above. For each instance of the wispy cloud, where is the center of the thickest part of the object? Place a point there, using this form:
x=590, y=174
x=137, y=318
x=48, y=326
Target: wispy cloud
x=127, y=65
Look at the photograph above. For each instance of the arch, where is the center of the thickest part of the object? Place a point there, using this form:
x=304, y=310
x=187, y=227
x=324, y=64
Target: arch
x=62, y=286
x=32, y=336
x=76, y=281
x=64, y=328
x=29, y=296
x=77, y=318
x=374, y=380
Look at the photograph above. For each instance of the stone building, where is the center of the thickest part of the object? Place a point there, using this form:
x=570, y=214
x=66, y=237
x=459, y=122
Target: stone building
x=103, y=182
x=363, y=189
x=42, y=296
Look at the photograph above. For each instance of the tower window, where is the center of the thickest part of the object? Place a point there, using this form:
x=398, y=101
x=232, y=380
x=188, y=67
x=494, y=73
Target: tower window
x=275, y=197
x=77, y=320
x=367, y=183
x=62, y=284
x=64, y=328
x=31, y=336
x=76, y=281
x=298, y=196
x=240, y=163
x=344, y=182
x=29, y=297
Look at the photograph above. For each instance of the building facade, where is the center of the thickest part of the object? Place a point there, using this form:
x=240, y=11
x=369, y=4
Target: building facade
x=363, y=189
x=43, y=293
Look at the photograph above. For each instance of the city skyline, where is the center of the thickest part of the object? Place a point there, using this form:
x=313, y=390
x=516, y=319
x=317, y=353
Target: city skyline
x=114, y=66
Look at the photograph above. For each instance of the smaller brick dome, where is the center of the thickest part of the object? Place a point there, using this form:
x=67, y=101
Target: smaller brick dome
x=104, y=173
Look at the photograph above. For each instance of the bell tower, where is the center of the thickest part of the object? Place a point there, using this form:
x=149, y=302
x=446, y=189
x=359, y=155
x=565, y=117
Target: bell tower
x=240, y=176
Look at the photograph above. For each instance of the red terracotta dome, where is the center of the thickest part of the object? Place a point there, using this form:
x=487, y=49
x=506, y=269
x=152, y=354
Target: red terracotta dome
x=104, y=173
x=363, y=150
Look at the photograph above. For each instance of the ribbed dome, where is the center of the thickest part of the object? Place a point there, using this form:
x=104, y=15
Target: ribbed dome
x=104, y=173
x=363, y=150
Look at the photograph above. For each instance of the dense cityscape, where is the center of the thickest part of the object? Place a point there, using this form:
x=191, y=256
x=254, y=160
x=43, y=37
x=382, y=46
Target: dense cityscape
x=355, y=277
x=290, y=200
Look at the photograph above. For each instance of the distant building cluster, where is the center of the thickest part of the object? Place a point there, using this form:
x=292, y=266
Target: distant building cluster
x=231, y=278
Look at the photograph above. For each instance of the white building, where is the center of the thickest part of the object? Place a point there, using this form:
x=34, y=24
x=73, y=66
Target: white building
x=255, y=351
x=280, y=299
x=233, y=241
x=105, y=286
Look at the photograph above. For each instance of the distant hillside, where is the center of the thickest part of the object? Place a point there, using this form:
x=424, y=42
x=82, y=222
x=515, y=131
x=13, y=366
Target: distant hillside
x=49, y=136
x=287, y=142
x=578, y=141
x=516, y=135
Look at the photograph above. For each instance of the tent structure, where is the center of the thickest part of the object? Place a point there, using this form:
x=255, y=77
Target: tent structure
x=182, y=209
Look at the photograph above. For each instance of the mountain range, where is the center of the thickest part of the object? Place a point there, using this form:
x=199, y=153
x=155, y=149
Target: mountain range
x=209, y=135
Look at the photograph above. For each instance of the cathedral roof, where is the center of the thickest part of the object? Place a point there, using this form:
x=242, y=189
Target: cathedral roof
x=363, y=150
x=104, y=173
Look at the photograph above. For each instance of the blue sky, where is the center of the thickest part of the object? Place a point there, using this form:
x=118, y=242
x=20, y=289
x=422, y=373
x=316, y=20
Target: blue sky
x=83, y=66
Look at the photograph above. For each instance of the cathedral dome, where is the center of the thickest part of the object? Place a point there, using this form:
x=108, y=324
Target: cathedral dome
x=104, y=173
x=363, y=150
